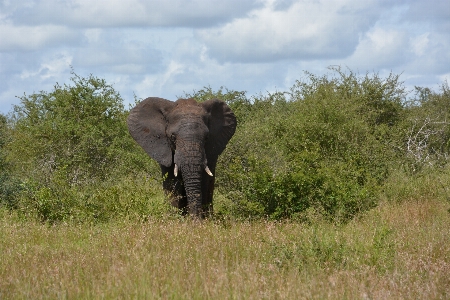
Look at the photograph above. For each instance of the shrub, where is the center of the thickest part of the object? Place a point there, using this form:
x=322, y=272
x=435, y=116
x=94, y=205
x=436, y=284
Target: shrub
x=72, y=151
x=133, y=197
x=331, y=146
x=9, y=185
x=328, y=144
x=78, y=128
x=426, y=129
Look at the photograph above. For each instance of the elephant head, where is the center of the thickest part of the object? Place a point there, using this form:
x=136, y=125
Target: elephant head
x=185, y=138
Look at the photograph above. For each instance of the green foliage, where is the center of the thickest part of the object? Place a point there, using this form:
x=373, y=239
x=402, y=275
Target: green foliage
x=327, y=144
x=237, y=100
x=427, y=129
x=134, y=197
x=78, y=128
x=331, y=147
x=322, y=249
x=9, y=185
x=72, y=151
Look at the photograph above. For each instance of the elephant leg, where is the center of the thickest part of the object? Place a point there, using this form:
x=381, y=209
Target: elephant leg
x=174, y=189
x=208, y=191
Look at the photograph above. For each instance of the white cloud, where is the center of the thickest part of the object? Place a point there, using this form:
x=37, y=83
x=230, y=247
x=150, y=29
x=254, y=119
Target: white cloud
x=153, y=85
x=33, y=74
x=117, y=52
x=93, y=35
x=164, y=48
x=432, y=54
x=420, y=44
x=444, y=78
x=114, y=13
x=53, y=68
x=13, y=38
x=380, y=49
x=436, y=12
x=305, y=30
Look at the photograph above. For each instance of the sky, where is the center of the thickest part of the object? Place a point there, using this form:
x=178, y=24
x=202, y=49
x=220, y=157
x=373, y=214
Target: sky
x=167, y=48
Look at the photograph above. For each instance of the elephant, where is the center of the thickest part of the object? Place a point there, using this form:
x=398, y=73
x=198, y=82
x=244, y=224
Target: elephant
x=186, y=139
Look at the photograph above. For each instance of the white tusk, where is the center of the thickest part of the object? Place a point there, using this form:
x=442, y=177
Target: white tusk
x=208, y=171
x=175, y=170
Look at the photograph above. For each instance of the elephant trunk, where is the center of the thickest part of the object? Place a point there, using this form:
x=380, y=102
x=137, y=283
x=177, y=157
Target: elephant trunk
x=190, y=161
x=192, y=185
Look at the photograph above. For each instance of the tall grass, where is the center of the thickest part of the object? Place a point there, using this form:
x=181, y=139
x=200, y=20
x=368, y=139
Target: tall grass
x=397, y=251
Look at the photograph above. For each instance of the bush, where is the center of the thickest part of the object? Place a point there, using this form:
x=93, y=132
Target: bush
x=426, y=129
x=135, y=197
x=328, y=144
x=78, y=128
x=72, y=151
x=9, y=185
x=332, y=146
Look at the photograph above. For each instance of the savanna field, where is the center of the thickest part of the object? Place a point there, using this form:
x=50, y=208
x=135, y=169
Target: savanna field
x=335, y=189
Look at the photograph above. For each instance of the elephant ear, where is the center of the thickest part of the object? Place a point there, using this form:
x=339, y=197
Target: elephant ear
x=147, y=125
x=222, y=125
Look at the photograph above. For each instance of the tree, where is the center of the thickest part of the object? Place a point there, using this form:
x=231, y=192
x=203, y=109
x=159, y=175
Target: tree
x=77, y=132
x=427, y=128
x=327, y=146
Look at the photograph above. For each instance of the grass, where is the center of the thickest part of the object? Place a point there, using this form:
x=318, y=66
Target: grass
x=395, y=251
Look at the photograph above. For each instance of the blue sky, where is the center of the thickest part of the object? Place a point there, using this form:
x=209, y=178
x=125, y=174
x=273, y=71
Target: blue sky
x=167, y=47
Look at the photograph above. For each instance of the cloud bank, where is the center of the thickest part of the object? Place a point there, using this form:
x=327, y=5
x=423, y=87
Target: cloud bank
x=165, y=48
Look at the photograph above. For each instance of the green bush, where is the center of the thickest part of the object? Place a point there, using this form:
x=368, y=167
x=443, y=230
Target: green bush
x=78, y=128
x=10, y=186
x=134, y=197
x=332, y=146
x=71, y=149
x=328, y=144
x=426, y=129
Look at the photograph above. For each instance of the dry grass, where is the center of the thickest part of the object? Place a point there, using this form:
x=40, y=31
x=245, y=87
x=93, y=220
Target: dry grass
x=396, y=251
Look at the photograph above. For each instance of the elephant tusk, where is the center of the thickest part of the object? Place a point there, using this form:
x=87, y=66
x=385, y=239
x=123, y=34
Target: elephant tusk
x=208, y=171
x=175, y=170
